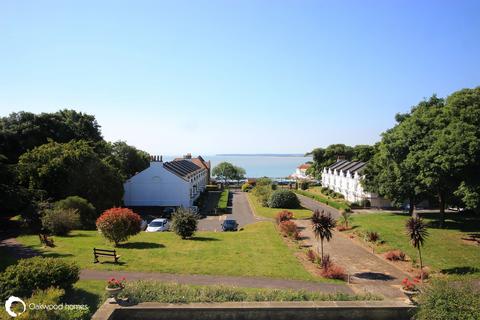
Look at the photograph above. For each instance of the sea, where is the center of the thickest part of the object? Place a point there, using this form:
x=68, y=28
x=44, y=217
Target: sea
x=258, y=165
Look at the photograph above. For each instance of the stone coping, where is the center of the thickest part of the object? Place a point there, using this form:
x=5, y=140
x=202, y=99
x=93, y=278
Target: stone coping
x=258, y=310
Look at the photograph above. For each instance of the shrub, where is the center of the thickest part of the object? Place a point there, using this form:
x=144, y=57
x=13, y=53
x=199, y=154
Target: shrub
x=304, y=185
x=372, y=236
x=262, y=193
x=289, y=229
x=283, y=199
x=395, y=255
x=334, y=272
x=422, y=274
x=264, y=181
x=119, y=224
x=60, y=221
x=155, y=291
x=312, y=256
x=246, y=187
x=35, y=273
x=449, y=300
x=326, y=262
x=184, y=223
x=274, y=186
x=283, y=215
x=52, y=296
x=85, y=209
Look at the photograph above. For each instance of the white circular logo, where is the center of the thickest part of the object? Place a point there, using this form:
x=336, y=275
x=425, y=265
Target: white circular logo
x=8, y=305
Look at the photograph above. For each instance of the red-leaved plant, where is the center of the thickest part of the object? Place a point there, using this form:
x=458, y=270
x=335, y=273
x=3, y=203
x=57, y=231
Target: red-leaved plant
x=289, y=229
x=118, y=224
x=283, y=215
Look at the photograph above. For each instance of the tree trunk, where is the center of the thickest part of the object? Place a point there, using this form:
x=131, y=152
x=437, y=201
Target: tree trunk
x=411, y=209
x=321, y=241
x=441, y=200
x=421, y=264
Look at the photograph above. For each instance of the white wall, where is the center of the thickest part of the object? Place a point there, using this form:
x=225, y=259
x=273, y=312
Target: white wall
x=156, y=186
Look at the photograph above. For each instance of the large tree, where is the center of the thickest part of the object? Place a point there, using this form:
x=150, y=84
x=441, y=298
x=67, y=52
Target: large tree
x=68, y=169
x=227, y=171
x=23, y=131
x=127, y=159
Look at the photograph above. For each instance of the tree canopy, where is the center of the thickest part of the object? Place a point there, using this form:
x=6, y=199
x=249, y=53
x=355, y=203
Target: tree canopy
x=227, y=171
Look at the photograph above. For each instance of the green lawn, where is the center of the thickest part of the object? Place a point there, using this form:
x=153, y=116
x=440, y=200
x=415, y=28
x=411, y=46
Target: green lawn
x=444, y=250
x=258, y=250
x=317, y=195
x=89, y=292
x=223, y=201
x=272, y=212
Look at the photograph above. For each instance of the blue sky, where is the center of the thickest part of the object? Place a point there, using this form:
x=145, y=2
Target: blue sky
x=236, y=76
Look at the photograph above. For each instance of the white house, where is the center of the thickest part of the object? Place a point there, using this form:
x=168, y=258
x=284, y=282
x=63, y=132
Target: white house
x=344, y=177
x=301, y=172
x=175, y=183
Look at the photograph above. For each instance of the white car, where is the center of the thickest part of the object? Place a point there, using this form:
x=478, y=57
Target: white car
x=158, y=225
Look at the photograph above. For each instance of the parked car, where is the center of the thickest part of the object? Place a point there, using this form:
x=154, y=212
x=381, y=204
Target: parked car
x=194, y=209
x=167, y=212
x=229, y=225
x=158, y=225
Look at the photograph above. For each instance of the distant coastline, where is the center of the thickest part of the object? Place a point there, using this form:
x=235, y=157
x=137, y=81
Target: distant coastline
x=260, y=155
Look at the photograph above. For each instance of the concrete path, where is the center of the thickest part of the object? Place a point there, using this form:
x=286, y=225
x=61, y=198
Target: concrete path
x=240, y=212
x=247, y=282
x=368, y=271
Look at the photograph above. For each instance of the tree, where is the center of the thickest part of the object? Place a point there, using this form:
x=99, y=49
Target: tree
x=322, y=226
x=227, y=171
x=88, y=214
x=23, y=131
x=119, y=224
x=417, y=232
x=184, y=223
x=127, y=159
x=67, y=169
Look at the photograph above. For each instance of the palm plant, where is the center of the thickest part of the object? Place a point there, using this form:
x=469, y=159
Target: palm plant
x=345, y=217
x=417, y=231
x=322, y=226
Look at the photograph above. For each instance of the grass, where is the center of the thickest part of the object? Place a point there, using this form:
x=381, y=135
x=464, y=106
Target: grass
x=316, y=194
x=272, y=212
x=89, y=292
x=223, y=200
x=258, y=250
x=7, y=259
x=154, y=291
x=444, y=249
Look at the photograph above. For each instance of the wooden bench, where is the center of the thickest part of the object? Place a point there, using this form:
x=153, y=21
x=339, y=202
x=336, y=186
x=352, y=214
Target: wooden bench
x=45, y=240
x=105, y=253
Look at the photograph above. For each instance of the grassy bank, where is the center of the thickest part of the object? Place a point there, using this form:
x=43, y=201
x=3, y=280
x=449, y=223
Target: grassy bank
x=272, y=212
x=444, y=249
x=320, y=197
x=223, y=201
x=258, y=250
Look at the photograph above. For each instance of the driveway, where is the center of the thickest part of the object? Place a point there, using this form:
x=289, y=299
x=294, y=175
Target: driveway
x=240, y=211
x=313, y=205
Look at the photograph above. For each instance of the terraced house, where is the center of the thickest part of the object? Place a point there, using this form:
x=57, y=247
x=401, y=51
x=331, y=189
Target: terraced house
x=174, y=183
x=344, y=177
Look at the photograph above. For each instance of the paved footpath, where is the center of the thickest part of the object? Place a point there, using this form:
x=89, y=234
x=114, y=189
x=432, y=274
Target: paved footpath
x=368, y=272
x=248, y=282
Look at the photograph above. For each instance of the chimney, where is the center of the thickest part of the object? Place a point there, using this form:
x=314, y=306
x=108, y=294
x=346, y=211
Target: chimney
x=156, y=158
x=188, y=156
x=340, y=157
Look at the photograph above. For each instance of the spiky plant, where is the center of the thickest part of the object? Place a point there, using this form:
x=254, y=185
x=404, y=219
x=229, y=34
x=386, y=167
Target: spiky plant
x=345, y=217
x=417, y=232
x=322, y=226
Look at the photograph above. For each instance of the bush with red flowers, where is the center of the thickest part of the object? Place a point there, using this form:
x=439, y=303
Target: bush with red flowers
x=408, y=285
x=118, y=224
x=334, y=271
x=283, y=215
x=115, y=283
x=395, y=255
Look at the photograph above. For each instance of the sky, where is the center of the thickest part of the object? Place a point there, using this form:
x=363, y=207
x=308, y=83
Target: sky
x=209, y=77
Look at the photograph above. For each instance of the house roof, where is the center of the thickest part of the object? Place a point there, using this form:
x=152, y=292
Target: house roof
x=305, y=166
x=199, y=161
x=182, y=168
x=345, y=165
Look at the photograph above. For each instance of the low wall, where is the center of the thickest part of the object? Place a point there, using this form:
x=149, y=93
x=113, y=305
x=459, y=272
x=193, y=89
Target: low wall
x=338, y=310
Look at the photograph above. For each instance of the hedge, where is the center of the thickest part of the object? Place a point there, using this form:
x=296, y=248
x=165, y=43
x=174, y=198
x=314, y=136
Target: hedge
x=325, y=200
